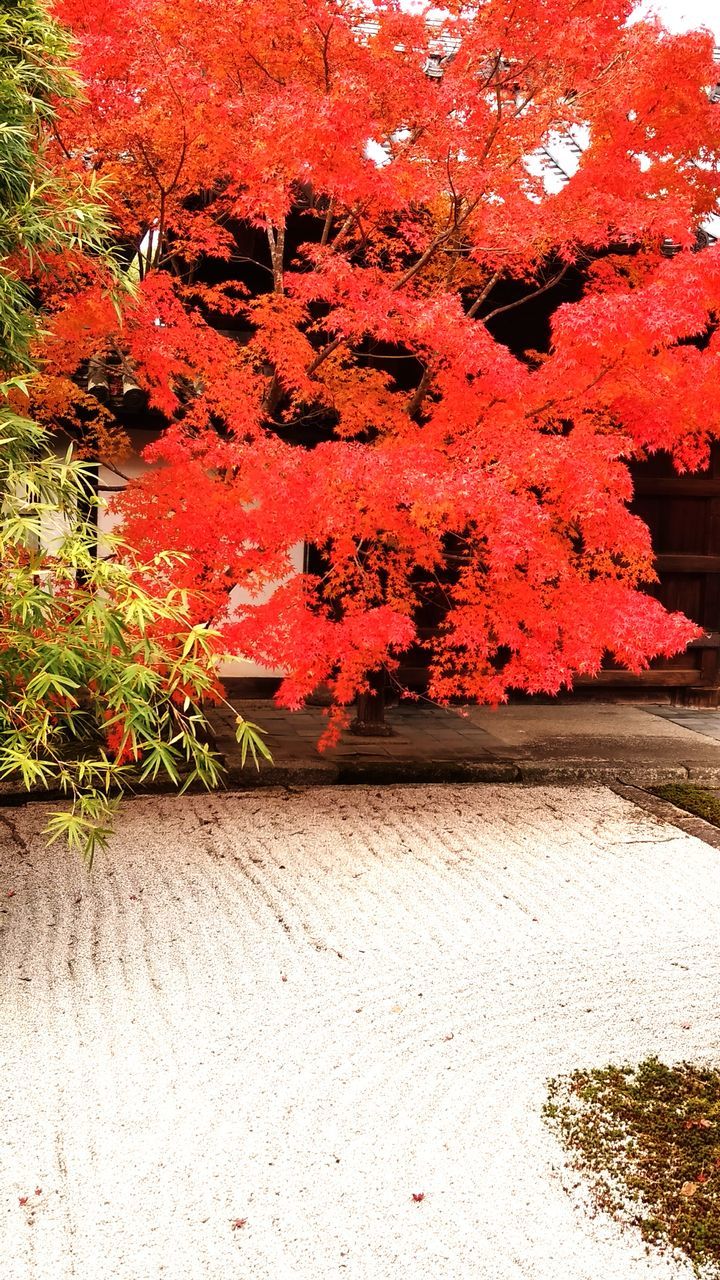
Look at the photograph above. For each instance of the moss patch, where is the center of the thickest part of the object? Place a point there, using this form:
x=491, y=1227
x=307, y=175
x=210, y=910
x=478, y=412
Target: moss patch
x=649, y=1139
x=695, y=800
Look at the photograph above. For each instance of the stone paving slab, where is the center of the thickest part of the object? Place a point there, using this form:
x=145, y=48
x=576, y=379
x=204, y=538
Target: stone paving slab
x=577, y=742
x=699, y=719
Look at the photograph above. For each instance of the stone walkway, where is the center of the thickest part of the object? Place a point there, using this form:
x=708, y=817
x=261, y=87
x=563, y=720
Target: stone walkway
x=701, y=721
x=605, y=742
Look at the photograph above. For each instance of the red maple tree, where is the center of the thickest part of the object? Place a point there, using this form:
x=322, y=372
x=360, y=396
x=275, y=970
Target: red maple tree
x=357, y=190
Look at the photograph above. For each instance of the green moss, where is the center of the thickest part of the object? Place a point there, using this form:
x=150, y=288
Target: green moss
x=648, y=1138
x=696, y=800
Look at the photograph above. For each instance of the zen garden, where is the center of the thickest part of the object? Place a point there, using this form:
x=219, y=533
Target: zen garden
x=360, y=640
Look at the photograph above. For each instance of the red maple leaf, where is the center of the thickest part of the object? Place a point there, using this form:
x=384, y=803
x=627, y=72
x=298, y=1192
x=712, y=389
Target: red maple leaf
x=378, y=405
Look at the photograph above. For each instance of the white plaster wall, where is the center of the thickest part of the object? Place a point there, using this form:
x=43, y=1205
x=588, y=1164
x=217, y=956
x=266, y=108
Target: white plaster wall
x=133, y=466
x=242, y=666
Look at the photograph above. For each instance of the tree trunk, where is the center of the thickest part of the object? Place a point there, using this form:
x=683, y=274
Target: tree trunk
x=369, y=719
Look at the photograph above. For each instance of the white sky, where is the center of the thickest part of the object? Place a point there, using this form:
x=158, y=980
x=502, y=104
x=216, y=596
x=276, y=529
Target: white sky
x=681, y=15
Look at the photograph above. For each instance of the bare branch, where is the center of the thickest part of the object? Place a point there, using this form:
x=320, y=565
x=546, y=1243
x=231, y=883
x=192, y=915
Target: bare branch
x=485, y=294
x=276, y=240
x=328, y=222
x=415, y=403
x=520, y=302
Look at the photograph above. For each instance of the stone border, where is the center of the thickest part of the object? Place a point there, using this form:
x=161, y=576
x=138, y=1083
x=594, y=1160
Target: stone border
x=627, y=781
x=667, y=812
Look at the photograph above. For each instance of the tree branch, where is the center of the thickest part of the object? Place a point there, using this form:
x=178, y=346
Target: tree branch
x=519, y=302
x=276, y=240
x=419, y=394
x=485, y=294
x=328, y=222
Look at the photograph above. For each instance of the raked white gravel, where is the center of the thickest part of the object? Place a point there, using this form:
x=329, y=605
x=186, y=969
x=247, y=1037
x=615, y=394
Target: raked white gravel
x=298, y=1010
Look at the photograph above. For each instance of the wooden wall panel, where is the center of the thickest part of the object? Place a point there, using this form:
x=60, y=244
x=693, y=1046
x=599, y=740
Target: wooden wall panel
x=683, y=514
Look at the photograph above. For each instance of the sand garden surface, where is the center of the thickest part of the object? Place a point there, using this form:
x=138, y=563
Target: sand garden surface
x=294, y=1011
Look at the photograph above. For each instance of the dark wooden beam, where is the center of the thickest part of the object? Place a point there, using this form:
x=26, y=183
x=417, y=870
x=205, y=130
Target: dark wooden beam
x=687, y=563
x=668, y=678
x=709, y=641
x=688, y=486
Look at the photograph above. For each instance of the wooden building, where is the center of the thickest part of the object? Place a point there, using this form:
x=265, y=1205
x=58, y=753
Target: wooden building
x=683, y=514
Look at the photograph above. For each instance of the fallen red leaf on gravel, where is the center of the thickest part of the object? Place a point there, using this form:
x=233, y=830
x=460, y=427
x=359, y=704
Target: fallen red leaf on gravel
x=38, y=1191
x=11, y=893
x=239, y=1222
x=22, y=1199
x=418, y=1196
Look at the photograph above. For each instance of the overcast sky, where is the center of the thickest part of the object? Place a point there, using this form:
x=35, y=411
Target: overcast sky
x=679, y=15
